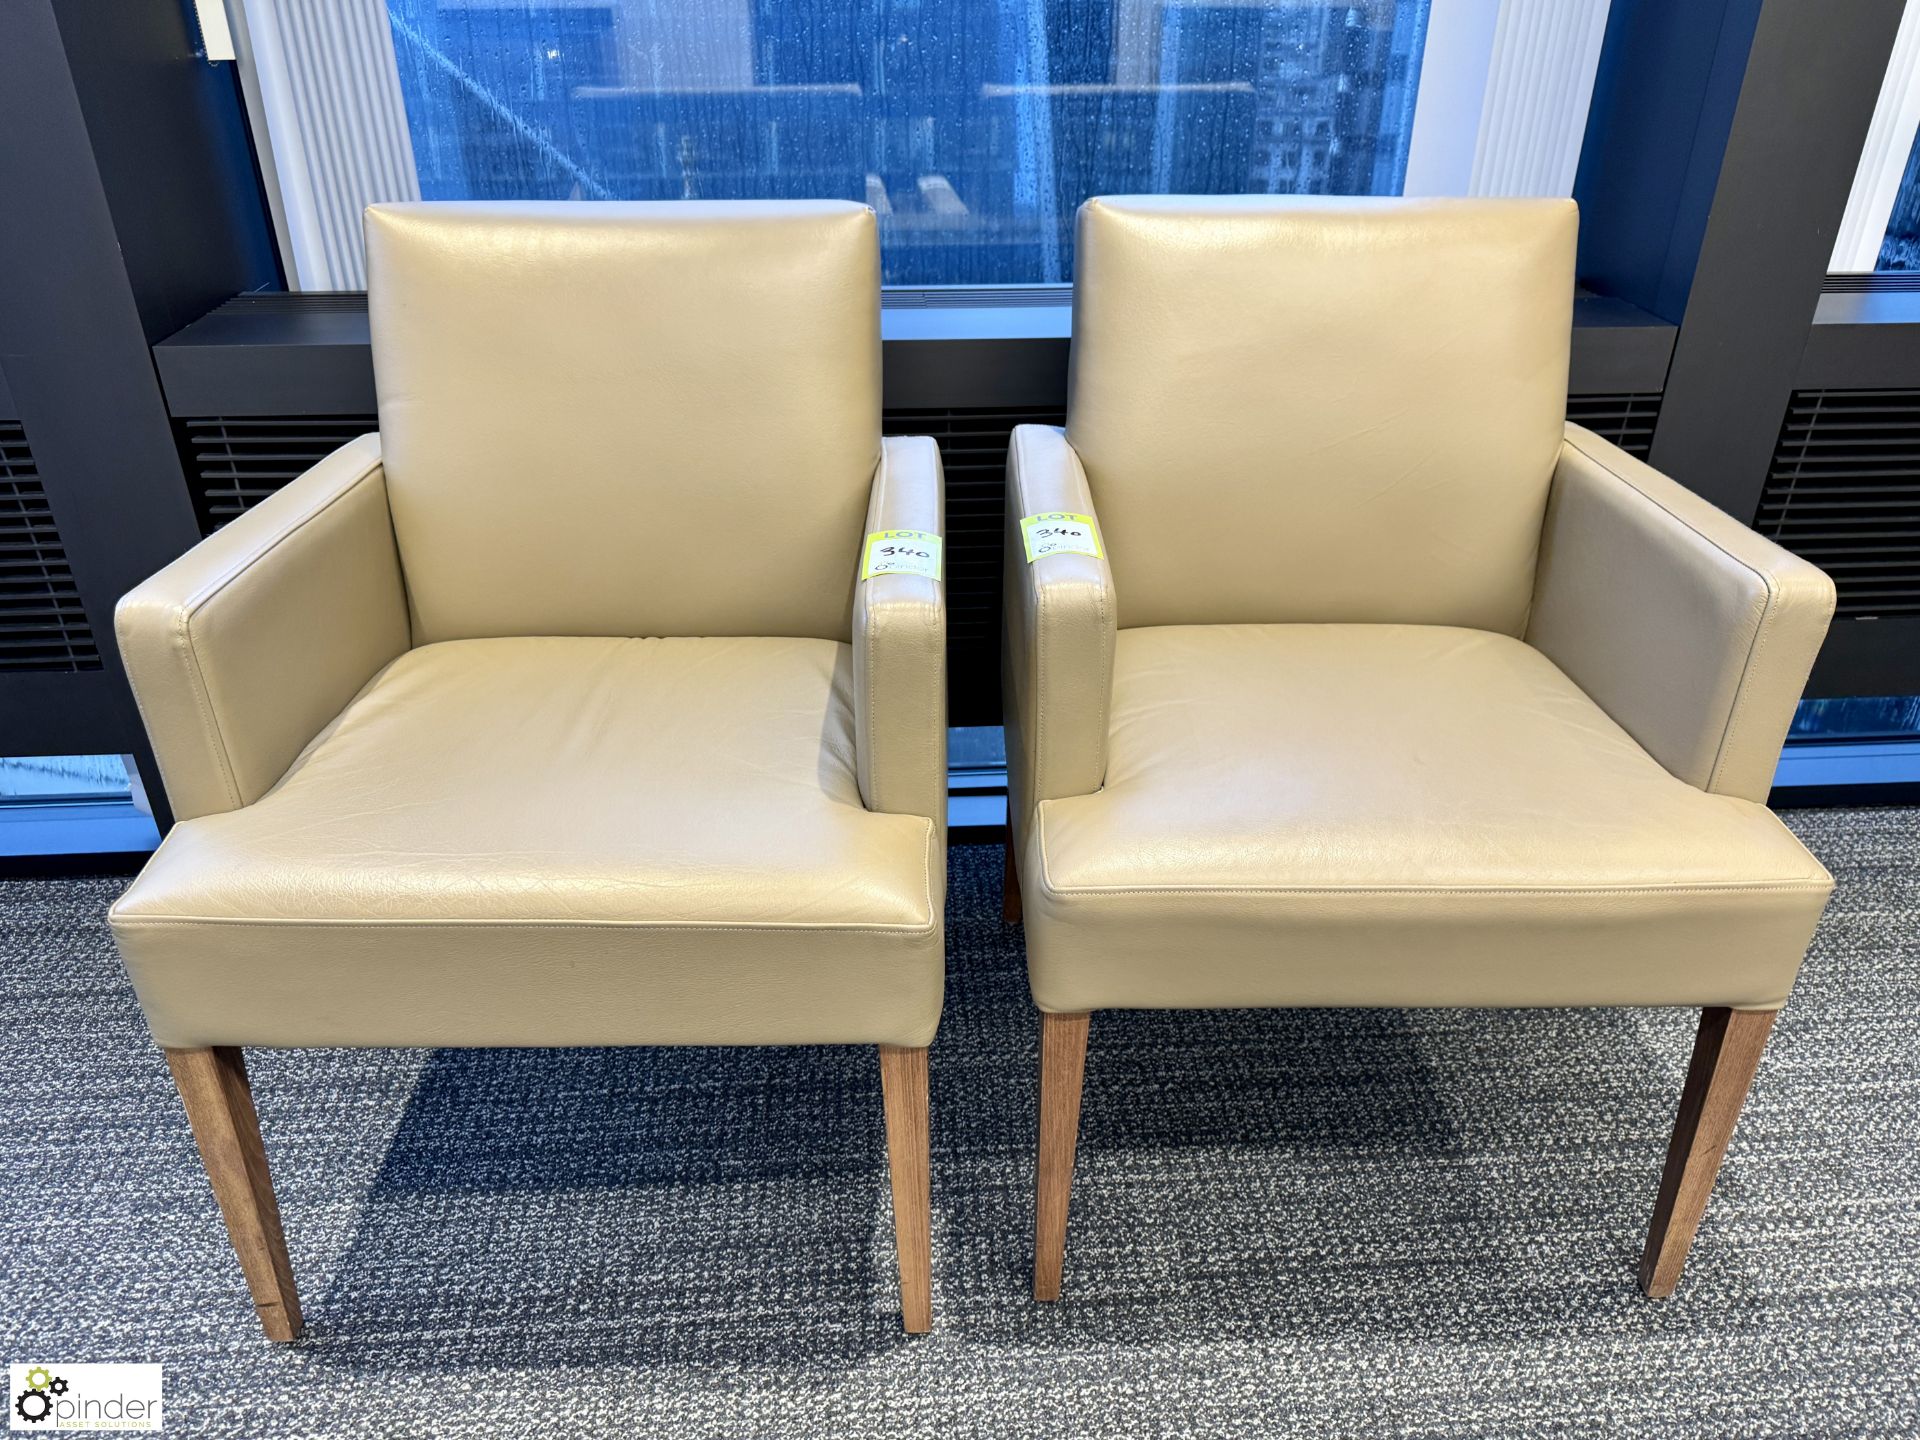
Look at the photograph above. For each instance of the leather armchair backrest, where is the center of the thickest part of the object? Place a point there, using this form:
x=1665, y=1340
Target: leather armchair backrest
x=1296, y=409
x=627, y=419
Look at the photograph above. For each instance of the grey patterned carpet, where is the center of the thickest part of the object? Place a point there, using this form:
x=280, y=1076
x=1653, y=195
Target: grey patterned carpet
x=1314, y=1223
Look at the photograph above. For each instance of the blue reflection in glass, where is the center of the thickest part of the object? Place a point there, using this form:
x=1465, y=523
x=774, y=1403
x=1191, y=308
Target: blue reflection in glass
x=1900, y=247
x=974, y=128
x=1865, y=717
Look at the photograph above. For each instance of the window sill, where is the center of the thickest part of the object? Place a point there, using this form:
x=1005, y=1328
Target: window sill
x=309, y=354
x=1862, y=340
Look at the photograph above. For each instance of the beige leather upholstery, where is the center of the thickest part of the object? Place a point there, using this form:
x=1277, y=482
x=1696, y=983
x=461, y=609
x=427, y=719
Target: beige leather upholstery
x=1327, y=417
x=537, y=837
x=1396, y=815
x=1057, y=656
x=627, y=419
x=555, y=842
x=246, y=645
x=1693, y=632
x=1363, y=402
x=900, y=647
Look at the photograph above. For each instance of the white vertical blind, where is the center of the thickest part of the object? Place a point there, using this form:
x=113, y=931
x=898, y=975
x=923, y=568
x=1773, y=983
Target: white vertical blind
x=1453, y=88
x=1539, y=85
x=1504, y=91
x=326, y=95
x=1876, y=184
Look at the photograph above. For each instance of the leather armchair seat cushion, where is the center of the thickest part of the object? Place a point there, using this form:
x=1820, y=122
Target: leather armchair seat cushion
x=1395, y=815
x=555, y=841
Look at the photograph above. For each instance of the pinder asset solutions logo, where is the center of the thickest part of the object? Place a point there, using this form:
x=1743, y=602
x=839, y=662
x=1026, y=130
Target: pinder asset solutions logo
x=84, y=1397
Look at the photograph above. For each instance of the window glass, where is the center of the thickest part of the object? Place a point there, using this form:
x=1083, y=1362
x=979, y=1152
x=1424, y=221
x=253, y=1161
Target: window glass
x=1866, y=717
x=1900, y=250
x=1880, y=228
x=48, y=779
x=72, y=805
x=976, y=747
x=975, y=129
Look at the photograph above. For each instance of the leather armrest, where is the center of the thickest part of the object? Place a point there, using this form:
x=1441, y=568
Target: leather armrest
x=1689, y=629
x=900, y=647
x=242, y=650
x=1060, y=621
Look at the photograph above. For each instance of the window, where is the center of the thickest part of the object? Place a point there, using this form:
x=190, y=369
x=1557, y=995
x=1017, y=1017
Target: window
x=974, y=129
x=50, y=779
x=1878, y=717
x=1881, y=227
x=72, y=805
x=1900, y=246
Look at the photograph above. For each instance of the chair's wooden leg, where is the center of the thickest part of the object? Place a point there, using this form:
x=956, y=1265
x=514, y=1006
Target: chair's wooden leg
x=903, y=1085
x=1063, y=1065
x=1726, y=1053
x=213, y=1086
x=1010, y=889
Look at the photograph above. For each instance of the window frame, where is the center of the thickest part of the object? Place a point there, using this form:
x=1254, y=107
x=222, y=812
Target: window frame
x=1500, y=109
x=1884, y=157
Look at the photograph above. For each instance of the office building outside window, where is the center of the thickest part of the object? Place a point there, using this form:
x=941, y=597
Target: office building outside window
x=974, y=130
x=1880, y=229
x=1900, y=247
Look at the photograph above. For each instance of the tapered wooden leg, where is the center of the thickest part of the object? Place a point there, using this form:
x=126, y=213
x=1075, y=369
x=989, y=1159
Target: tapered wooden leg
x=213, y=1086
x=1010, y=889
x=903, y=1085
x=1726, y=1053
x=1063, y=1065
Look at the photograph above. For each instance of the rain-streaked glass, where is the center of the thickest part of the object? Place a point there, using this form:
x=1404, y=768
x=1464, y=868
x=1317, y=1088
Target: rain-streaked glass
x=974, y=128
x=1900, y=249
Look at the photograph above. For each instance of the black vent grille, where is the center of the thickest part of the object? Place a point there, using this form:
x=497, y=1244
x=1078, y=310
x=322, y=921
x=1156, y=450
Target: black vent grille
x=1844, y=492
x=1878, y=282
x=42, y=626
x=973, y=453
x=233, y=464
x=1626, y=420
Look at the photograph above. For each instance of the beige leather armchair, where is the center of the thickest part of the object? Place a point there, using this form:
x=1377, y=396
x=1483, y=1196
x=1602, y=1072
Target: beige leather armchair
x=1386, y=686
x=556, y=713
